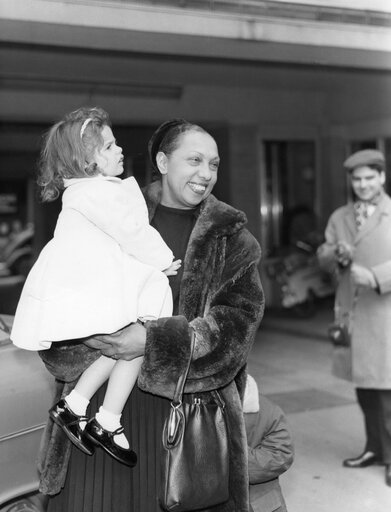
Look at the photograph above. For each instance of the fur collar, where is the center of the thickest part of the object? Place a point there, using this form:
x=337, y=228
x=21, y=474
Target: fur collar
x=216, y=221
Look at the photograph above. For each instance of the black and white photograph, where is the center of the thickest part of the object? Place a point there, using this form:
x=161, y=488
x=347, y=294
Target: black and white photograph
x=242, y=361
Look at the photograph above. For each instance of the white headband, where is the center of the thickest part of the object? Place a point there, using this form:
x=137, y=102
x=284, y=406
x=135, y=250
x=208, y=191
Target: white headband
x=84, y=126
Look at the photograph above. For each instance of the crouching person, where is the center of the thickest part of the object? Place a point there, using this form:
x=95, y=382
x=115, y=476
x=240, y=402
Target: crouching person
x=270, y=449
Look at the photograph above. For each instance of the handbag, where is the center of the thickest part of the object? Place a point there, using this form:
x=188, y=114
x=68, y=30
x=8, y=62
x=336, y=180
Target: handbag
x=342, y=362
x=195, y=458
x=339, y=332
x=339, y=335
x=342, y=354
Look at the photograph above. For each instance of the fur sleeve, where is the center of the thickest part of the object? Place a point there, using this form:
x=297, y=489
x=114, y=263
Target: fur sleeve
x=224, y=334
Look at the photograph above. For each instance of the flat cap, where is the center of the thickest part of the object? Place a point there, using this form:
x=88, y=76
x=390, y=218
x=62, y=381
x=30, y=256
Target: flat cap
x=363, y=158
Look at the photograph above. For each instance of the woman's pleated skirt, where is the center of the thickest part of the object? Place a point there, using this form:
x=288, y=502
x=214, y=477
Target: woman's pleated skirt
x=101, y=484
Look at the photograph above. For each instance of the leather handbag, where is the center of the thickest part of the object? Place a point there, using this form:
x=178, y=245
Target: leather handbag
x=195, y=459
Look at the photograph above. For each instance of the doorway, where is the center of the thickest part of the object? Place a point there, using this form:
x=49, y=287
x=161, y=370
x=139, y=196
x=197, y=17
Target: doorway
x=289, y=193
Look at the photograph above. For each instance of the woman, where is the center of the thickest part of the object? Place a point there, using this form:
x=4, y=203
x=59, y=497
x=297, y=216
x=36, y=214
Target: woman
x=217, y=293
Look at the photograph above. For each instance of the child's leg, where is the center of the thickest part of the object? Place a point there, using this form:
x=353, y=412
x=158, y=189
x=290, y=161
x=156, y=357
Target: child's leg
x=95, y=375
x=121, y=381
x=89, y=383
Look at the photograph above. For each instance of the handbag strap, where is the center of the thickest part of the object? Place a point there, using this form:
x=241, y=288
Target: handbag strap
x=178, y=393
x=176, y=418
x=180, y=386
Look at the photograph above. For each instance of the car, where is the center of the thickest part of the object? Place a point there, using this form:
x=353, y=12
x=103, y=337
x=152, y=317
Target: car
x=26, y=394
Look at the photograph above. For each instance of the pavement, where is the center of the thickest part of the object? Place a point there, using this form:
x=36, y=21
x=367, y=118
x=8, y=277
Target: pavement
x=291, y=361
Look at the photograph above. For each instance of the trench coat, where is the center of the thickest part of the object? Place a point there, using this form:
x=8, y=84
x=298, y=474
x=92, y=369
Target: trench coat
x=222, y=300
x=366, y=311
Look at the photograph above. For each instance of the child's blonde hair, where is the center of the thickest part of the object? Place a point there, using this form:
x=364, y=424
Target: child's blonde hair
x=69, y=148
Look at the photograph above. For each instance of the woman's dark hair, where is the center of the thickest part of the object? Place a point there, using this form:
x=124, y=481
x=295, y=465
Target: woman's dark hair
x=68, y=150
x=166, y=139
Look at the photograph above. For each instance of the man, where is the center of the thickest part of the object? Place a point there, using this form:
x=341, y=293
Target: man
x=358, y=250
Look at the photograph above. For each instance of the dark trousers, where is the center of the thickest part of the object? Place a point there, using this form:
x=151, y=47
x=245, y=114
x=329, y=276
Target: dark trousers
x=376, y=407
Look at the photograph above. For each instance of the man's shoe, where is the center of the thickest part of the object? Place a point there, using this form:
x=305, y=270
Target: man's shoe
x=362, y=461
x=388, y=474
x=105, y=439
x=65, y=418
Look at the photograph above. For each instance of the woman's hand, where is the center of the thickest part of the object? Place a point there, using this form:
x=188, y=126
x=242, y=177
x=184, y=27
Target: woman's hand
x=127, y=343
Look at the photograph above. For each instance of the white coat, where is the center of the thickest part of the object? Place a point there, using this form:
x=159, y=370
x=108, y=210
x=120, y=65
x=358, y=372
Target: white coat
x=370, y=311
x=101, y=270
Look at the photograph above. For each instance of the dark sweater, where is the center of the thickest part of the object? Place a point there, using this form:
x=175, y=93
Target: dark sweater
x=175, y=227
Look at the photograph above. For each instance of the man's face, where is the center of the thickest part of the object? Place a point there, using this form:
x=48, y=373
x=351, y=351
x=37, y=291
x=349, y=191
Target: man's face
x=367, y=182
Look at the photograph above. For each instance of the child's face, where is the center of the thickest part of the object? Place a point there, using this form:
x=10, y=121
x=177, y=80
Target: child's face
x=109, y=158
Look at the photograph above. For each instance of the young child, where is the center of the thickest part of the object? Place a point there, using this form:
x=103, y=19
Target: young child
x=102, y=270
x=270, y=449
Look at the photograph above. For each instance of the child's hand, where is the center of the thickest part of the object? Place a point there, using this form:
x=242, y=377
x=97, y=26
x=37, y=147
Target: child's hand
x=172, y=270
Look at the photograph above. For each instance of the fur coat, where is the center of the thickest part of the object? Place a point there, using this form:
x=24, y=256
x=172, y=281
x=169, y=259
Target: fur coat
x=221, y=298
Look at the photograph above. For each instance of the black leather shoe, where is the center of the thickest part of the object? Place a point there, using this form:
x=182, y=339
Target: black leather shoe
x=105, y=439
x=362, y=461
x=65, y=418
x=388, y=474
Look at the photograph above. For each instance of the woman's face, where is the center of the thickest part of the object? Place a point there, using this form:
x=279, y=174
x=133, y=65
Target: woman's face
x=367, y=182
x=109, y=157
x=189, y=173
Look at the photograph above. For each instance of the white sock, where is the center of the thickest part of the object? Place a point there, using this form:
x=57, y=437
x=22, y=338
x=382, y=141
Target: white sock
x=78, y=403
x=110, y=421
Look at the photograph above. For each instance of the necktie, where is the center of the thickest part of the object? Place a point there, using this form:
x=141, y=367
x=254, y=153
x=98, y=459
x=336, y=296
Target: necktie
x=362, y=211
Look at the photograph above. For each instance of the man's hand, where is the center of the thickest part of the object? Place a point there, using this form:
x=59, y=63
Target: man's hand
x=344, y=253
x=127, y=343
x=362, y=276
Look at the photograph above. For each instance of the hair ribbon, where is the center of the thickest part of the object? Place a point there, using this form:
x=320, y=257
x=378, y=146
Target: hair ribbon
x=84, y=126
